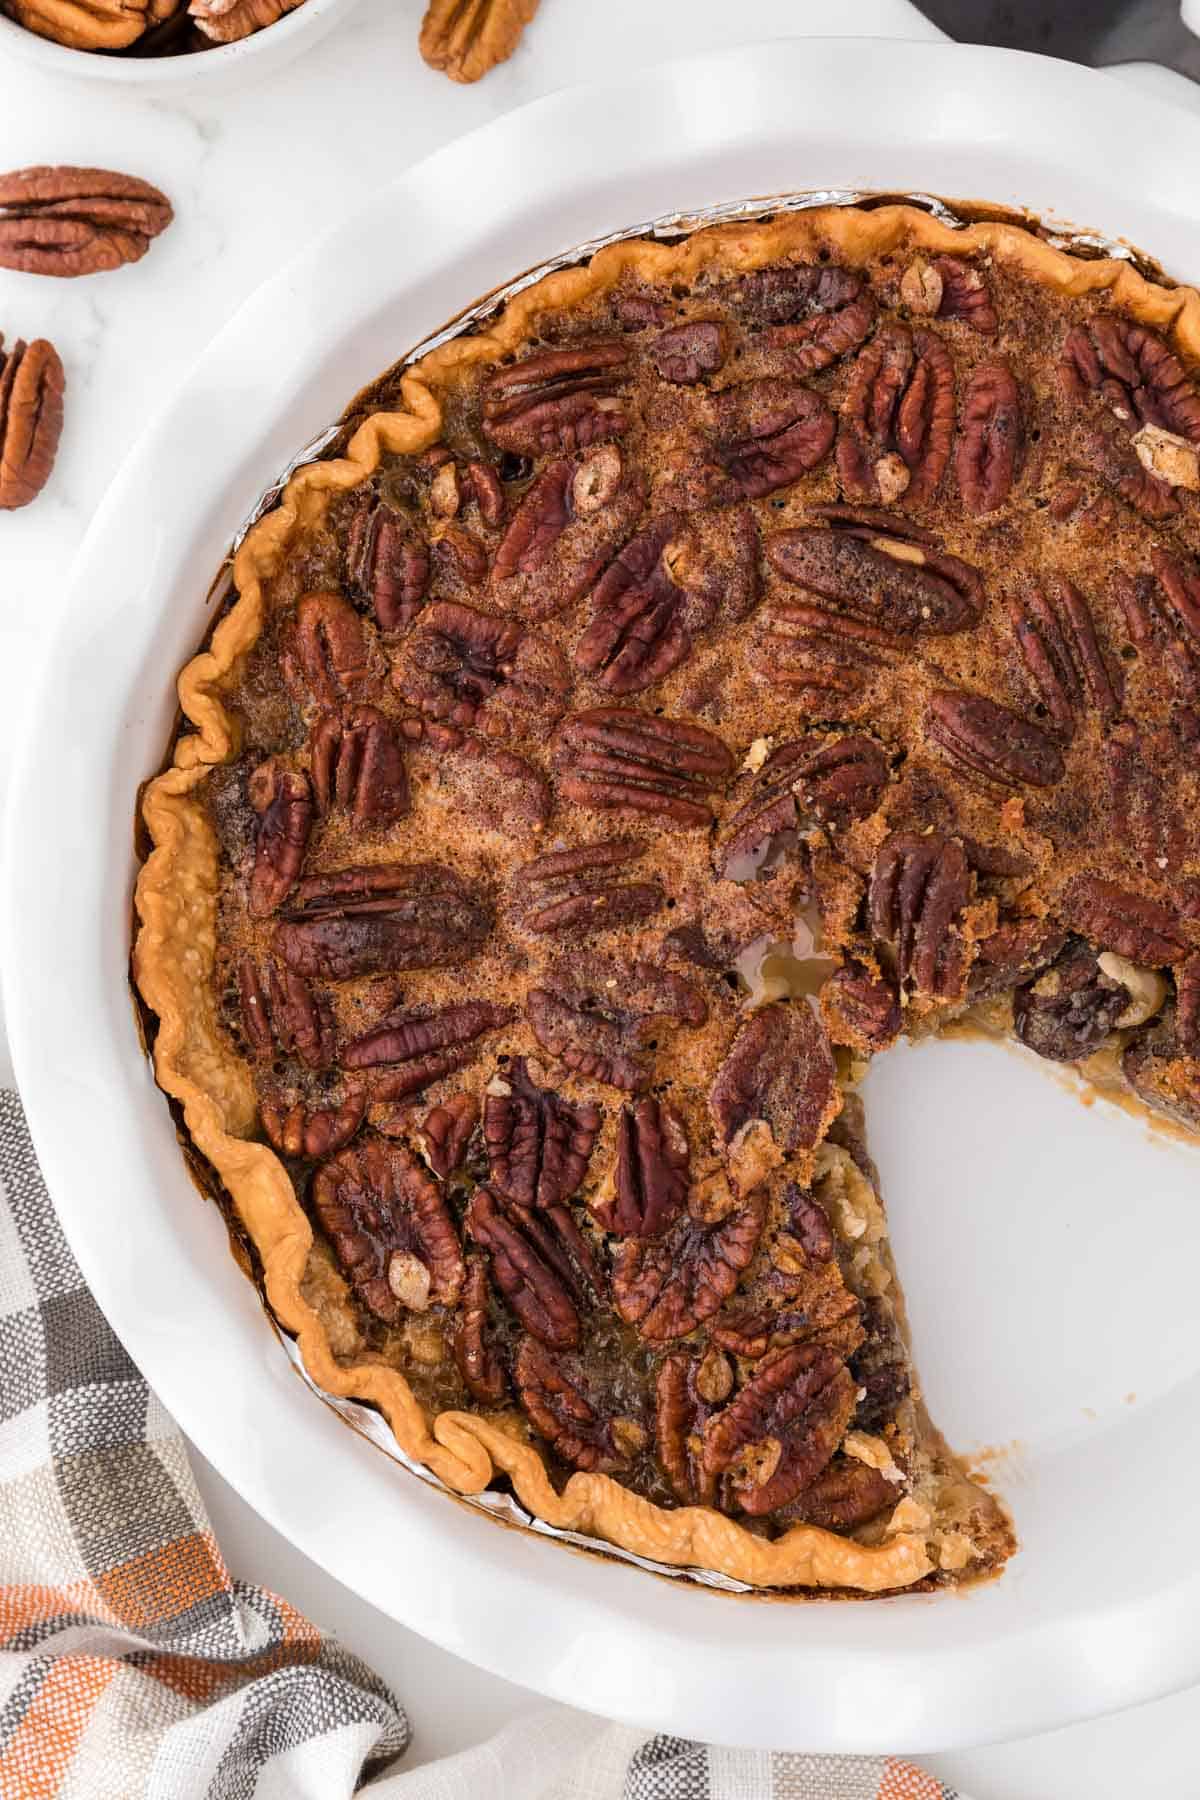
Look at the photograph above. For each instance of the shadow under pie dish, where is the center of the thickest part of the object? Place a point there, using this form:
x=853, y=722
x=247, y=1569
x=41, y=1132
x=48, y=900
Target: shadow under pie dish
x=742, y=651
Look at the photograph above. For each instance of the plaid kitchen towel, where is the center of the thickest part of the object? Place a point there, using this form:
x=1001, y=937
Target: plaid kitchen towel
x=132, y=1667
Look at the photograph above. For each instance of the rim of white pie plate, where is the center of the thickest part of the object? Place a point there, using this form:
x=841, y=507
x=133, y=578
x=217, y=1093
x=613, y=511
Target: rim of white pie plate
x=1090, y=1385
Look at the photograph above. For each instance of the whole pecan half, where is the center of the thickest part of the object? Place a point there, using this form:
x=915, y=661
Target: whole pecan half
x=31, y=417
x=228, y=21
x=580, y=891
x=1071, y=1007
x=466, y=38
x=667, y=1286
x=446, y=1131
x=558, y=1406
x=1134, y=372
x=478, y=1363
x=1114, y=459
x=991, y=740
x=526, y=1267
x=650, y=1183
x=769, y=433
x=1146, y=931
x=830, y=779
x=538, y=1144
x=357, y=765
x=571, y=520
x=300, y=1129
x=1012, y=955
x=679, y=1417
x=283, y=802
x=280, y=1010
x=897, y=421
x=687, y=353
x=557, y=400
x=824, y=659
x=778, y=1072
x=324, y=652
x=783, y=1428
x=465, y=667
x=616, y=759
x=919, y=886
x=965, y=296
x=860, y=1008
x=91, y=24
x=887, y=580
x=1154, y=627
x=785, y=292
x=390, y=1229
x=420, y=1047
x=846, y=1494
x=1145, y=772
x=1057, y=640
x=597, y=1016
x=387, y=561
x=382, y=918
x=990, y=438
x=67, y=221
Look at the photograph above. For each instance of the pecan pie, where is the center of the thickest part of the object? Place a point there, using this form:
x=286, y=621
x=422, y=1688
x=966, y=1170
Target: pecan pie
x=740, y=653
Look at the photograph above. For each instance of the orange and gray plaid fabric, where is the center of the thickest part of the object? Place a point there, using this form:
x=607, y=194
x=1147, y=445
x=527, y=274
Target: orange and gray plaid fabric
x=132, y=1667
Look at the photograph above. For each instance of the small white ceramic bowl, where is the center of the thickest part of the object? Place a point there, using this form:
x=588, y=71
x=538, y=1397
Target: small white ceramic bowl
x=224, y=66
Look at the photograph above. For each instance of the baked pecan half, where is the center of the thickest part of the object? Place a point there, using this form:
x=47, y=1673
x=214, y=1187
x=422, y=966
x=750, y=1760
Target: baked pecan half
x=447, y=1130
x=581, y=891
x=299, y=1129
x=1154, y=629
x=613, y=758
x=784, y=293
x=687, y=353
x=990, y=438
x=478, y=1363
x=597, y=1017
x=357, y=765
x=417, y=1047
x=390, y=1229
x=387, y=562
x=783, y=1428
x=571, y=520
x=557, y=1404
x=824, y=659
x=1145, y=770
x=466, y=38
x=283, y=801
x=650, y=1184
x=667, y=1286
x=525, y=1268
x=883, y=578
x=1180, y=583
x=280, y=1011
x=1113, y=457
x=382, y=918
x=1146, y=931
x=538, y=1144
x=897, y=421
x=991, y=740
x=846, y=1494
x=1134, y=372
x=557, y=400
x=778, y=1073
x=1069, y=1010
x=769, y=433
x=831, y=779
x=965, y=296
x=1057, y=640
x=1012, y=955
x=324, y=652
x=67, y=221
x=919, y=886
x=31, y=417
x=860, y=1008
x=679, y=1417
x=466, y=667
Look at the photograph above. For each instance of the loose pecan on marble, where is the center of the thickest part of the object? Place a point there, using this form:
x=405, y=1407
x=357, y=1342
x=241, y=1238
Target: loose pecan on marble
x=357, y=766
x=527, y=1267
x=559, y=1408
x=778, y=1076
x=650, y=1181
x=382, y=918
x=466, y=38
x=282, y=799
x=387, y=561
x=68, y=221
x=390, y=1229
x=557, y=400
x=228, y=21
x=31, y=417
x=280, y=1011
x=417, y=1047
x=991, y=740
x=581, y=891
x=1057, y=639
x=897, y=421
x=919, y=886
x=669, y=1285
x=614, y=758
x=782, y=1429
x=990, y=438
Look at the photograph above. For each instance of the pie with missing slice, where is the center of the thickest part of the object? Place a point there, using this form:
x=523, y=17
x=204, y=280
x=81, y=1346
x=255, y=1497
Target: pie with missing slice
x=734, y=655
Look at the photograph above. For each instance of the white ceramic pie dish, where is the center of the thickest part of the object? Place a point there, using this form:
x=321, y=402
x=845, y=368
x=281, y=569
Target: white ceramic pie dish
x=1047, y=1252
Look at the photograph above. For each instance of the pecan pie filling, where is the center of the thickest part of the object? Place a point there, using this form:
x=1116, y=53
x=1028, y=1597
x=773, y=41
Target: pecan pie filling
x=740, y=654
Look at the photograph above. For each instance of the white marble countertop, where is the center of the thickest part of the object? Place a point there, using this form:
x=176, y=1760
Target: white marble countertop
x=252, y=174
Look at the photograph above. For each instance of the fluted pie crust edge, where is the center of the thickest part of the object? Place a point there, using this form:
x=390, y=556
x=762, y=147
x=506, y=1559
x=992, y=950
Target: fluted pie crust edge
x=176, y=898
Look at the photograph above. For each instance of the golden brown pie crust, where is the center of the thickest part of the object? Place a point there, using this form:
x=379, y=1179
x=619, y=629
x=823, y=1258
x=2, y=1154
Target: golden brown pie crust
x=178, y=886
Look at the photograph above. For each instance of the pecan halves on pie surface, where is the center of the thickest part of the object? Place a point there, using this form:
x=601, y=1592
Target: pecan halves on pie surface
x=466, y=38
x=596, y=1017
x=581, y=891
x=478, y=1363
x=897, y=421
x=965, y=296
x=357, y=765
x=91, y=24
x=387, y=561
x=614, y=758
x=991, y=740
x=446, y=1131
x=883, y=577
x=830, y=779
x=524, y=1268
x=685, y=354
x=382, y=918
x=861, y=1008
x=770, y=432
x=324, y=652
x=919, y=887
x=279, y=1009
x=1057, y=640
x=390, y=1229
x=783, y=1428
x=1134, y=372
x=284, y=804
x=300, y=1129
x=557, y=1405
x=67, y=221
x=667, y=1286
x=414, y=1049
x=538, y=1144
x=1114, y=918
x=31, y=418
x=778, y=1075
x=642, y=623
x=679, y=1415
x=650, y=1184
x=557, y=400
x=457, y=661
x=817, y=312
x=988, y=452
